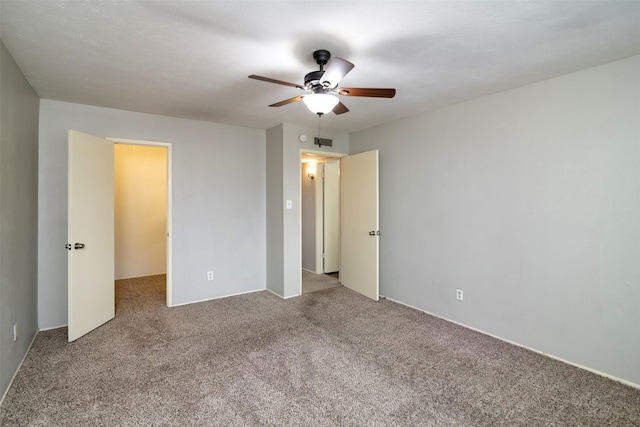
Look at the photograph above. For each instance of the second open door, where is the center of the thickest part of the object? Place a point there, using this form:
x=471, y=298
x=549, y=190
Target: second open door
x=360, y=232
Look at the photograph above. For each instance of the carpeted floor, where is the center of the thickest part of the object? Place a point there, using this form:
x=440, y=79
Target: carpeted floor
x=318, y=282
x=327, y=358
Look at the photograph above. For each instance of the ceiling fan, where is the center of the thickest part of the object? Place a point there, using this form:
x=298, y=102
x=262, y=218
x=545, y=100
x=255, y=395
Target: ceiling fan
x=322, y=86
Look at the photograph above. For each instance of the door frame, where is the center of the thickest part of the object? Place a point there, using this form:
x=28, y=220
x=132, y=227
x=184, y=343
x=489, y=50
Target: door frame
x=167, y=145
x=321, y=227
x=319, y=232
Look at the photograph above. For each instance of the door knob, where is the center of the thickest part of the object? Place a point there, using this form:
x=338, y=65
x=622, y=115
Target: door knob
x=68, y=246
x=78, y=246
x=372, y=233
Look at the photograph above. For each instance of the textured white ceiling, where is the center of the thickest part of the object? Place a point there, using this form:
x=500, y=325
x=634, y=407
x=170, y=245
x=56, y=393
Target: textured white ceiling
x=191, y=59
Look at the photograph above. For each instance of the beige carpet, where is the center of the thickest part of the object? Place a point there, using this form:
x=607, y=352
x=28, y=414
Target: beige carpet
x=327, y=358
x=317, y=282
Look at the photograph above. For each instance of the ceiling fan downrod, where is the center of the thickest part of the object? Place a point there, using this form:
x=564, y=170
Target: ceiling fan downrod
x=321, y=57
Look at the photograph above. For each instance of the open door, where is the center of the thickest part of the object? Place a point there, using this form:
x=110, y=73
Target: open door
x=360, y=234
x=91, y=291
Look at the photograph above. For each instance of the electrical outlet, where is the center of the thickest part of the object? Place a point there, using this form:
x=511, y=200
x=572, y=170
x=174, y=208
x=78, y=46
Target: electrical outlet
x=15, y=331
x=459, y=294
x=209, y=275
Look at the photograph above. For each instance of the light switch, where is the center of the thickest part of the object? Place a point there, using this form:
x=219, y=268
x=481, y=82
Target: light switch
x=289, y=204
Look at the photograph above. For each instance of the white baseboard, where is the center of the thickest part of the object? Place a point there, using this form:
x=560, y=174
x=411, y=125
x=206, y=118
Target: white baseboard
x=215, y=298
x=137, y=277
x=19, y=366
x=291, y=296
x=586, y=368
x=280, y=296
x=48, y=328
x=275, y=293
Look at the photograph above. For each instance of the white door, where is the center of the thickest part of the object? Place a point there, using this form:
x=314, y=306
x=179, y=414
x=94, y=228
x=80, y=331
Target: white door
x=359, y=237
x=91, y=293
x=331, y=217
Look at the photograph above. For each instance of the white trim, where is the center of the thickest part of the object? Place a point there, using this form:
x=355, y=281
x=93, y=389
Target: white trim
x=299, y=225
x=137, y=142
x=168, y=146
x=139, y=277
x=281, y=297
x=275, y=293
x=49, y=328
x=220, y=297
x=15, y=374
x=319, y=213
x=169, y=280
x=586, y=368
x=327, y=155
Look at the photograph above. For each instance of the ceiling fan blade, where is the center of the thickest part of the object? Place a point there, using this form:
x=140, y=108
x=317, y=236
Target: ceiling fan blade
x=340, y=108
x=367, y=91
x=270, y=80
x=287, y=101
x=337, y=69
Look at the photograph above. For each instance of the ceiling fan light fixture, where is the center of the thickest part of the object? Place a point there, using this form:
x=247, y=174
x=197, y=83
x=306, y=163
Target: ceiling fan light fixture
x=322, y=86
x=320, y=103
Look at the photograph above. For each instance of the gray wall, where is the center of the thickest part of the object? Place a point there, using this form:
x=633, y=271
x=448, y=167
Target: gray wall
x=529, y=201
x=275, y=209
x=18, y=215
x=283, y=183
x=218, y=201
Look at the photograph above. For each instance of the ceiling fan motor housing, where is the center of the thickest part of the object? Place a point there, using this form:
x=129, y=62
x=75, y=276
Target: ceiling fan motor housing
x=313, y=79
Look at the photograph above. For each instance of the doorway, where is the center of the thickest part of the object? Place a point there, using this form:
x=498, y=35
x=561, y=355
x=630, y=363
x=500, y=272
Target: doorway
x=143, y=211
x=319, y=220
x=359, y=223
x=91, y=234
